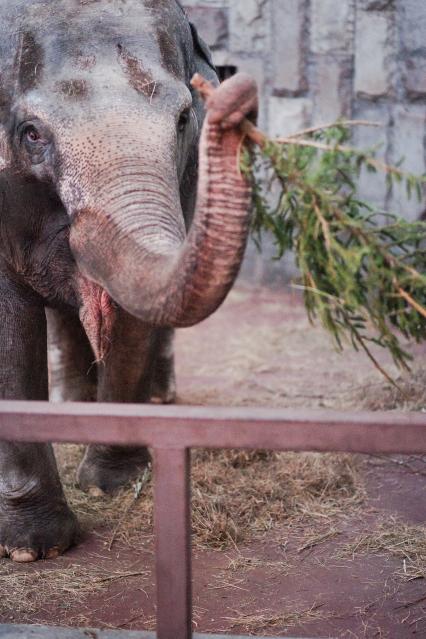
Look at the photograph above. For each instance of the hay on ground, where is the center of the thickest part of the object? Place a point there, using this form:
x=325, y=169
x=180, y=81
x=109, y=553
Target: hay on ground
x=237, y=496
x=396, y=539
x=410, y=393
x=271, y=621
x=66, y=586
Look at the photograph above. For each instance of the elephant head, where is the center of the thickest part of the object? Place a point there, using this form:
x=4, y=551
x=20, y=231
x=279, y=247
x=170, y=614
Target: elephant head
x=95, y=100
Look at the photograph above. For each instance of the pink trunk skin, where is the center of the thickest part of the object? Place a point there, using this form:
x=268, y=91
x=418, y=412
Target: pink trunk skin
x=97, y=314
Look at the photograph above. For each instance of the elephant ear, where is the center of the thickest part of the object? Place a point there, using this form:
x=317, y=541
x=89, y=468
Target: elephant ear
x=203, y=57
x=4, y=149
x=202, y=63
x=6, y=82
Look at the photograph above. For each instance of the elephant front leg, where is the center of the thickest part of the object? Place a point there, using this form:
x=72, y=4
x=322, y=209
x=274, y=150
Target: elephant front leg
x=35, y=520
x=139, y=364
x=163, y=387
x=72, y=367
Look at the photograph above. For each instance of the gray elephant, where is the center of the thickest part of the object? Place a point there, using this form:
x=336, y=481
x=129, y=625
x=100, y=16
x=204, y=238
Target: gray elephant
x=122, y=217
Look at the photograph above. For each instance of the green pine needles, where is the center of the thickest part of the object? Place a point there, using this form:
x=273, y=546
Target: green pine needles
x=363, y=271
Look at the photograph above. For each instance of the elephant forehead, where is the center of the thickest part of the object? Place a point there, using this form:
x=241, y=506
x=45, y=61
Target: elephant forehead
x=138, y=99
x=88, y=13
x=85, y=32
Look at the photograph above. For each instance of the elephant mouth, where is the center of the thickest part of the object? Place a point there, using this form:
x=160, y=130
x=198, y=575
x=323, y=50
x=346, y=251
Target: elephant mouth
x=97, y=314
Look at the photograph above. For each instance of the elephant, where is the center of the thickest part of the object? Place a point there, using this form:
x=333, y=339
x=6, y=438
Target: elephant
x=123, y=216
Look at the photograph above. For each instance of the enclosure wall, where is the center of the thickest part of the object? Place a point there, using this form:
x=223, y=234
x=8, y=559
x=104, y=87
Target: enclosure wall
x=318, y=60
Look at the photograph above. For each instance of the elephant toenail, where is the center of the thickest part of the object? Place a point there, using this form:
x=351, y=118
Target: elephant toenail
x=53, y=553
x=3, y=552
x=95, y=491
x=23, y=555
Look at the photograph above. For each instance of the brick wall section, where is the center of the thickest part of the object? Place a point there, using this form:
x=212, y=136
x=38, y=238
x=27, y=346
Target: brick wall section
x=318, y=60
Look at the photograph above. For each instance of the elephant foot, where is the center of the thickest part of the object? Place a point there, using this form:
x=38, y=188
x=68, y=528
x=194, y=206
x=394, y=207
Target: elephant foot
x=35, y=520
x=164, y=393
x=105, y=469
x=40, y=533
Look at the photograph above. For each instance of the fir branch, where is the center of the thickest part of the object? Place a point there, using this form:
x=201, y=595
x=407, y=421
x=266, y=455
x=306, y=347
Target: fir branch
x=332, y=125
x=363, y=271
x=418, y=307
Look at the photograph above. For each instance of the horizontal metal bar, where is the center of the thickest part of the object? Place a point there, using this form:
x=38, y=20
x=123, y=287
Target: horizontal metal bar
x=214, y=427
x=49, y=632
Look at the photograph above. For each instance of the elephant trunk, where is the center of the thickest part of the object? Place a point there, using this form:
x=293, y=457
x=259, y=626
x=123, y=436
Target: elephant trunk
x=133, y=244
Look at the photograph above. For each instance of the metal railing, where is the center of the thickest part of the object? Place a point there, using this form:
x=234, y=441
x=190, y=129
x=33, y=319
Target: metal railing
x=172, y=431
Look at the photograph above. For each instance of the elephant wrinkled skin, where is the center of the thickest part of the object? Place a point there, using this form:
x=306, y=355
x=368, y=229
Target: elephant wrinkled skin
x=123, y=215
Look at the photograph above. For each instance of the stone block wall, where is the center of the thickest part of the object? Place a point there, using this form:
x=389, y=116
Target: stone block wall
x=318, y=60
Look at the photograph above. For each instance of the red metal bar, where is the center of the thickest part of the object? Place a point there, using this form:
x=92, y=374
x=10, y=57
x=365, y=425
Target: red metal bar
x=196, y=427
x=14, y=631
x=173, y=543
x=171, y=431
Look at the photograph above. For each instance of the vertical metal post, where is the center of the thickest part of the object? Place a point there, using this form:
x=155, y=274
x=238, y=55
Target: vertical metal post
x=172, y=518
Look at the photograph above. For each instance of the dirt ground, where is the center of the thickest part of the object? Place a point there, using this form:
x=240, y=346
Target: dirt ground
x=301, y=545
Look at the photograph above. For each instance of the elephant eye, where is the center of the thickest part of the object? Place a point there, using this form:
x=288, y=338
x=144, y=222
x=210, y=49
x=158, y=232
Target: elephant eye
x=35, y=142
x=32, y=134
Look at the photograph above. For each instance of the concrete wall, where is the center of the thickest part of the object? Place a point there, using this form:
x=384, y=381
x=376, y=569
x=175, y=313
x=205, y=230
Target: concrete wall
x=318, y=60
